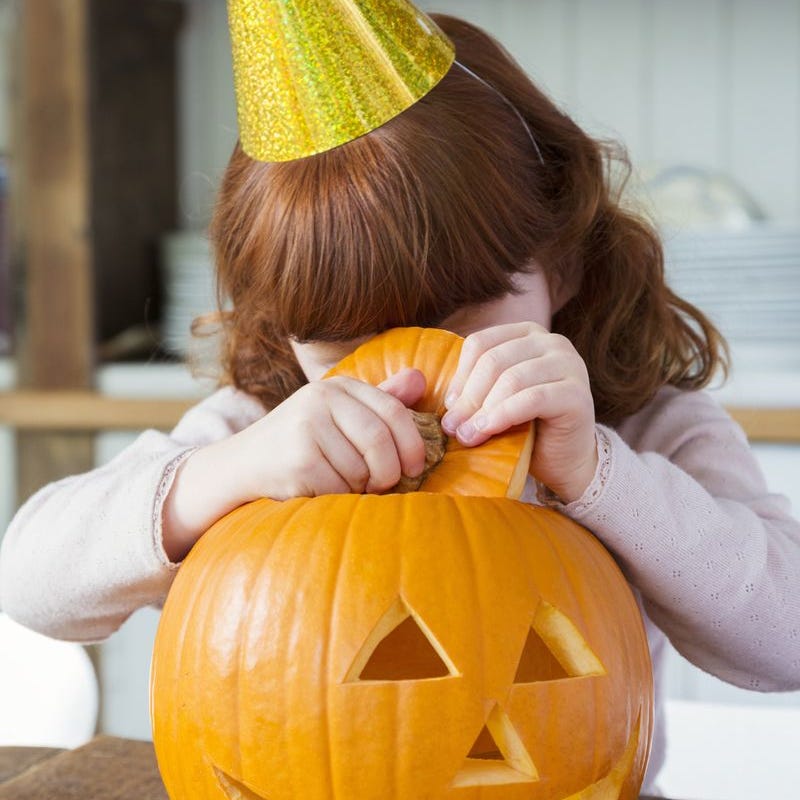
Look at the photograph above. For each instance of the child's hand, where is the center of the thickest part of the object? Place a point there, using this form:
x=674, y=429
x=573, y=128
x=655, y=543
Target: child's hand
x=514, y=373
x=332, y=436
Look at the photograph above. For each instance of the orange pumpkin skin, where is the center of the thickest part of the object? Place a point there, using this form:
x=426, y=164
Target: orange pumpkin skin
x=273, y=675
x=497, y=468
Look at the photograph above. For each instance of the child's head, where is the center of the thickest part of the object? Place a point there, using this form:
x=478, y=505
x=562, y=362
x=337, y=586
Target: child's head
x=438, y=210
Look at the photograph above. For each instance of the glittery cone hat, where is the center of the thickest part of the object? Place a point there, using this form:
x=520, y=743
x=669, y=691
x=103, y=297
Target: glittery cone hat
x=313, y=74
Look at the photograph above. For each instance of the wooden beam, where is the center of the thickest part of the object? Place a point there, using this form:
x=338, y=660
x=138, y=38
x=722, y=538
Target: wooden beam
x=57, y=344
x=77, y=410
x=769, y=424
x=87, y=411
x=52, y=181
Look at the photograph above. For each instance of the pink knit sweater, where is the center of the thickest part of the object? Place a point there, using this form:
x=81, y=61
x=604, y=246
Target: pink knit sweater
x=678, y=498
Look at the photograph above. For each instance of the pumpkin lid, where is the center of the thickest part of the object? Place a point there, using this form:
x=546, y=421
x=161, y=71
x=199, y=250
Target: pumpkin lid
x=496, y=468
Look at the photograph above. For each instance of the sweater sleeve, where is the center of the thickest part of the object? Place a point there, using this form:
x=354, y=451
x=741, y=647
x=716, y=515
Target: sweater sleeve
x=82, y=554
x=684, y=508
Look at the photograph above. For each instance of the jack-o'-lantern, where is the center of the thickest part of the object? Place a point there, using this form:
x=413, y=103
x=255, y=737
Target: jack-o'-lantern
x=421, y=645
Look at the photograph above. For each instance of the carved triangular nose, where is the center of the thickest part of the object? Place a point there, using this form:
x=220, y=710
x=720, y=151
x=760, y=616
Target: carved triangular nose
x=497, y=755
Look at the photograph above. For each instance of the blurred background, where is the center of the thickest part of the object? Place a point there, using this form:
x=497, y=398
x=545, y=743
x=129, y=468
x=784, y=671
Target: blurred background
x=116, y=120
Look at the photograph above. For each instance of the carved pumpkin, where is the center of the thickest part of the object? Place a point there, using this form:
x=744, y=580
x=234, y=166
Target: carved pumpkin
x=408, y=646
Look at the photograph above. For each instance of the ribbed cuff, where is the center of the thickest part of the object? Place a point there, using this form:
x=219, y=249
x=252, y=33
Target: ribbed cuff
x=594, y=491
x=165, y=484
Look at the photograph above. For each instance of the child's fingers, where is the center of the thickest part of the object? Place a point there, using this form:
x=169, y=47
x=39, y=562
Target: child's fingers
x=475, y=345
x=522, y=375
x=322, y=479
x=407, y=386
x=343, y=459
x=371, y=438
x=544, y=400
x=552, y=401
x=503, y=368
x=382, y=430
x=308, y=474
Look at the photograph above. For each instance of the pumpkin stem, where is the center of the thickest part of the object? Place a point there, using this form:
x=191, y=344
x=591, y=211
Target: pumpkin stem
x=435, y=441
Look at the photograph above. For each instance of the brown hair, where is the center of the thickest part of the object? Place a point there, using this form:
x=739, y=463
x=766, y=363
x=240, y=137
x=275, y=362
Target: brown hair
x=438, y=209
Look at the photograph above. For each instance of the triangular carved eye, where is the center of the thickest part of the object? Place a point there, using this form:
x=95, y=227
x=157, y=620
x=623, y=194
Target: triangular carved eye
x=537, y=663
x=555, y=649
x=400, y=648
x=497, y=756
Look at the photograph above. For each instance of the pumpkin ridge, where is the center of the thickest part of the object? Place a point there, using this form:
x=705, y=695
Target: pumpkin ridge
x=602, y=561
x=262, y=510
x=467, y=523
x=555, y=546
x=558, y=559
x=209, y=574
x=417, y=353
x=311, y=507
x=544, y=532
x=293, y=590
x=264, y=557
x=335, y=680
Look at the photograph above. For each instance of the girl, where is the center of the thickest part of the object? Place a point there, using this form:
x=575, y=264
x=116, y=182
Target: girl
x=449, y=216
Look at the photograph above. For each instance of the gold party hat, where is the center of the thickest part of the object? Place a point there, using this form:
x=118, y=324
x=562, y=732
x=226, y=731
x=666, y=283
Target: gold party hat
x=313, y=74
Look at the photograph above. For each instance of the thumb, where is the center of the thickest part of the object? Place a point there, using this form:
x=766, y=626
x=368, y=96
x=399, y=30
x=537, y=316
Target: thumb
x=407, y=386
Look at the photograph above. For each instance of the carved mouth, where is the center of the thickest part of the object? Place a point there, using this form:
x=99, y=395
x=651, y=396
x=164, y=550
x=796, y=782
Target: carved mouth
x=611, y=785
x=491, y=766
x=234, y=789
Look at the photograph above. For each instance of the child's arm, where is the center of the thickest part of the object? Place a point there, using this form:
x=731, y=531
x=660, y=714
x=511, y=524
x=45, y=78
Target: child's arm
x=85, y=552
x=678, y=497
x=335, y=435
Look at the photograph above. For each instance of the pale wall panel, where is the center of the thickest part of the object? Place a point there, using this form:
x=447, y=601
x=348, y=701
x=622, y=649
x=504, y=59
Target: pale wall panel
x=490, y=16
x=765, y=103
x=208, y=108
x=713, y=83
x=536, y=33
x=611, y=71
x=688, y=103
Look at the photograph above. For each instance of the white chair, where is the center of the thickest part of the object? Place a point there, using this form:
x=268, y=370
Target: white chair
x=48, y=690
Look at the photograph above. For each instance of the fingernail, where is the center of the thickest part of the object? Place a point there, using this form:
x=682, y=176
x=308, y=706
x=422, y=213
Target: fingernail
x=480, y=421
x=450, y=422
x=467, y=431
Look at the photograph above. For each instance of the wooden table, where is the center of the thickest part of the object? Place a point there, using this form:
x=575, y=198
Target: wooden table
x=107, y=768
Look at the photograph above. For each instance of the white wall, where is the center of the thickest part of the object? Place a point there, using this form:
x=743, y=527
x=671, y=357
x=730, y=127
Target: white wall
x=208, y=108
x=713, y=83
